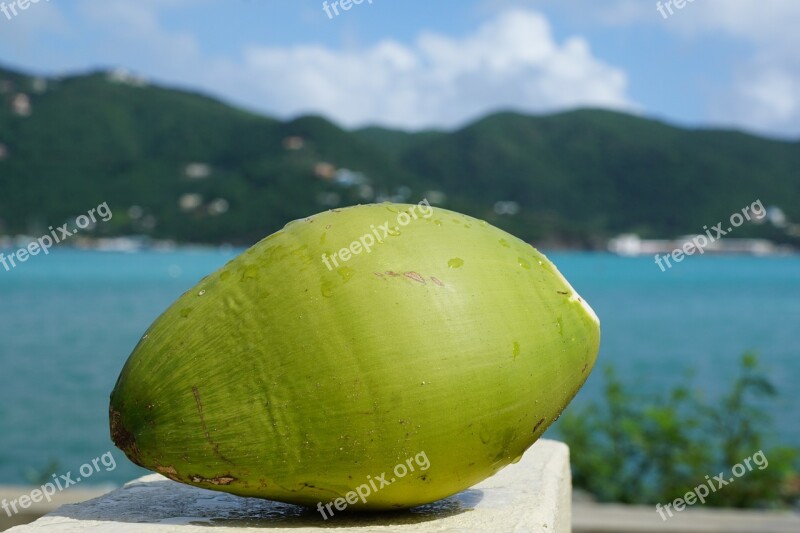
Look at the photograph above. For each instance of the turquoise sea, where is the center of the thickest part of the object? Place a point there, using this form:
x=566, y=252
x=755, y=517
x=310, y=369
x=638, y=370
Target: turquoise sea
x=69, y=320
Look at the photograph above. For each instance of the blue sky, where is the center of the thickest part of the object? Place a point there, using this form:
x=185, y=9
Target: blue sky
x=417, y=64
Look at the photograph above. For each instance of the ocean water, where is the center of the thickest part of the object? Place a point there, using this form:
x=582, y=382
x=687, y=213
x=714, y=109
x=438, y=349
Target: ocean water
x=69, y=320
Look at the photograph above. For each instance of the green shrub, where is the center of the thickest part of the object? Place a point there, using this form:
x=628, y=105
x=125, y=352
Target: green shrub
x=651, y=448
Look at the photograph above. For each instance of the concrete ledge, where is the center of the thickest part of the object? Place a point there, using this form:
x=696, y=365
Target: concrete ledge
x=618, y=518
x=37, y=509
x=531, y=496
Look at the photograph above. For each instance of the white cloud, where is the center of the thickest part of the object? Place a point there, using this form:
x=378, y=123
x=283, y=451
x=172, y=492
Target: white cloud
x=510, y=62
x=766, y=91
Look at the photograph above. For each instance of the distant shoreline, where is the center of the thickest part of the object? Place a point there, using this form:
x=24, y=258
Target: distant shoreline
x=623, y=245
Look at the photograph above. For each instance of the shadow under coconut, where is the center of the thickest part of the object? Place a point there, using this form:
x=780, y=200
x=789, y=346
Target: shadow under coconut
x=156, y=500
x=296, y=516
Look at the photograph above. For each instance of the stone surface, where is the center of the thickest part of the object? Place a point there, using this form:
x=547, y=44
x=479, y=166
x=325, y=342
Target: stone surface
x=37, y=509
x=618, y=518
x=533, y=495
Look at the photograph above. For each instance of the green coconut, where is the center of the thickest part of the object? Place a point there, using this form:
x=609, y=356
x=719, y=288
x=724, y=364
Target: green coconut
x=408, y=349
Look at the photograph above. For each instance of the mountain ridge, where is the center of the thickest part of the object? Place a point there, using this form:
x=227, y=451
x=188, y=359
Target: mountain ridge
x=182, y=165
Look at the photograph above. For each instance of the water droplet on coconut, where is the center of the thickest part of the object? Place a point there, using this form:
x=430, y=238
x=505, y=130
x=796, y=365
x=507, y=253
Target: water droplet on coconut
x=326, y=289
x=455, y=262
x=346, y=273
x=249, y=272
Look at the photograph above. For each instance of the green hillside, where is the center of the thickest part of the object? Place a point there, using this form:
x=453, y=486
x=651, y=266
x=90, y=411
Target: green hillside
x=178, y=165
x=396, y=142
x=591, y=173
